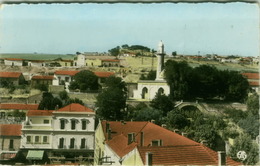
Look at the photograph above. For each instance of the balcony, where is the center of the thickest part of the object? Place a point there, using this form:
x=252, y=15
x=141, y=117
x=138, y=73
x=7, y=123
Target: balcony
x=37, y=127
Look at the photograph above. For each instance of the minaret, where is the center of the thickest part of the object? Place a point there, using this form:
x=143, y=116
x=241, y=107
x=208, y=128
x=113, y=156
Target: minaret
x=160, y=60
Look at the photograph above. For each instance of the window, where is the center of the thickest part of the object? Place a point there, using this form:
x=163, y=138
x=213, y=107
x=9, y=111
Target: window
x=73, y=124
x=45, y=139
x=46, y=121
x=84, y=124
x=11, y=144
x=131, y=138
x=61, y=143
x=156, y=142
x=28, y=139
x=37, y=139
x=83, y=143
x=67, y=79
x=72, y=143
x=62, y=124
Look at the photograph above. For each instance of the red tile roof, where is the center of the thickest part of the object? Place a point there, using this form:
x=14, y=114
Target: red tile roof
x=251, y=75
x=103, y=74
x=14, y=59
x=175, y=149
x=10, y=129
x=42, y=78
x=39, y=113
x=10, y=74
x=111, y=60
x=253, y=83
x=66, y=72
x=183, y=155
x=17, y=106
x=75, y=107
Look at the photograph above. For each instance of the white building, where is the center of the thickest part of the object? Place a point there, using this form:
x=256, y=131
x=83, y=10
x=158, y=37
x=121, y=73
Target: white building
x=67, y=132
x=80, y=60
x=147, y=89
x=13, y=62
x=37, y=63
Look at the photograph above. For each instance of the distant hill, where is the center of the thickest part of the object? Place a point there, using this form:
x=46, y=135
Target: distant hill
x=31, y=56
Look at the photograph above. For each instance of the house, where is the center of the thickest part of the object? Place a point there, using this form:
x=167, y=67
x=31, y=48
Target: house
x=10, y=138
x=6, y=108
x=67, y=132
x=253, y=79
x=66, y=63
x=13, y=62
x=147, y=89
x=64, y=77
x=110, y=62
x=145, y=143
x=93, y=62
x=16, y=78
x=37, y=63
x=80, y=60
x=41, y=79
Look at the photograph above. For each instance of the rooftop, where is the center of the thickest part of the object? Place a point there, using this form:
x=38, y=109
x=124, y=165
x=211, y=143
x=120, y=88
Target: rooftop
x=10, y=74
x=75, y=107
x=66, y=72
x=17, y=106
x=39, y=77
x=39, y=113
x=251, y=75
x=10, y=129
x=102, y=74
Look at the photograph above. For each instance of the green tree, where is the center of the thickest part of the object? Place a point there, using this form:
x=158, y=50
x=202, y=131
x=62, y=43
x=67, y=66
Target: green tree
x=251, y=125
x=244, y=143
x=75, y=100
x=150, y=76
x=176, y=120
x=177, y=75
x=148, y=114
x=111, y=102
x=114, y=51
x=49, y=102
x=64, y=95
x=253, y=104
x=162, y=102
x=174, y=53
x=84, y=80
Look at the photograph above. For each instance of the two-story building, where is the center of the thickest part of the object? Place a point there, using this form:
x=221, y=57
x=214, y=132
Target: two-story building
x=145, y=143
x=10, y=138
x=64, y=135
x=41, y=79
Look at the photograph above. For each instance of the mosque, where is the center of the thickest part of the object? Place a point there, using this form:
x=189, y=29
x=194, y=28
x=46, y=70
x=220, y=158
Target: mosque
x=147, y=89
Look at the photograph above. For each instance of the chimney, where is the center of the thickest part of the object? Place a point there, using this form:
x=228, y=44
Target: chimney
x=152, y=121
x=148, y=158
x=142, y=139
x=109, y=134
x=221, y=158
x=107, y=127
x=184, y=134
x=164, y=125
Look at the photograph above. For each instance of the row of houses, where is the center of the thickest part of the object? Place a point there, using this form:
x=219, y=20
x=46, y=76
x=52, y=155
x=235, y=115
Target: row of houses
x=80, y=60
x=68, y=135
x=60, y=77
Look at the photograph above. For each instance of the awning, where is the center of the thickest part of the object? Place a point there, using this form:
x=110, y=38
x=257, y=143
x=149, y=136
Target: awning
x=7, y=156
x=35, y=155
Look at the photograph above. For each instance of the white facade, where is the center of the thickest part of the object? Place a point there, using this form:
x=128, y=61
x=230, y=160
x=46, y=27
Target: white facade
x=64, y=130
x=36, y=64
x=148, y=89
x=13, y=62
x=80, y=61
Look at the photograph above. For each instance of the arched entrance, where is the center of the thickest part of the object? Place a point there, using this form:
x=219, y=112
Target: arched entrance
x=144, y=93
x=160, y=91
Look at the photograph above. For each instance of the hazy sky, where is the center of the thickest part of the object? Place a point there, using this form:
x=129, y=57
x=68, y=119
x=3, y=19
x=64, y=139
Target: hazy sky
x=226, y=29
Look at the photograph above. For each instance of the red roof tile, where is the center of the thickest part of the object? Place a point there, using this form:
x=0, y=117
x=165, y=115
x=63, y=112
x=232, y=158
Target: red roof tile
x=10, y=129
x=66, y=72
x=175, y=149
x=17, y=106
x=111, y=60
x=42, y=78
x=253, y=83
x=75, y=107
x=39, y=113
x=103, y=74
x=14, y=59
x=251, y=75
x=10, y=74
x=183, y=155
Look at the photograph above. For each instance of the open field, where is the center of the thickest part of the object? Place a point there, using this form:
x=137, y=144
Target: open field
x=37, y=56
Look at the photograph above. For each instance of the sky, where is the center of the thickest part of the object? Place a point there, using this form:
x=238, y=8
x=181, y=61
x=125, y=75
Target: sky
x=190, y=29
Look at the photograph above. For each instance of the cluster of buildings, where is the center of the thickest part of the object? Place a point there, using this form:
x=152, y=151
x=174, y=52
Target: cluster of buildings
x=68, y=136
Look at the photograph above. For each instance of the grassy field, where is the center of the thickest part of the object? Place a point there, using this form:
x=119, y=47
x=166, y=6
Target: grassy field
x=37, y=56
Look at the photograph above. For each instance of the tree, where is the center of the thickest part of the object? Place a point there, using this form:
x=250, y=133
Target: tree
x=49, y=102
x=64, y=95
x=252, y=103
x=162, y=102
x=84, y=80
x=111, y=102
x=114, y=51
x=176, y=120
x=244, y=143
x=174, y=53
x=75, y=100
x=148, y=114
x=125, y=46
x=177, y=75
x=251, y=125
x=150, y=76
